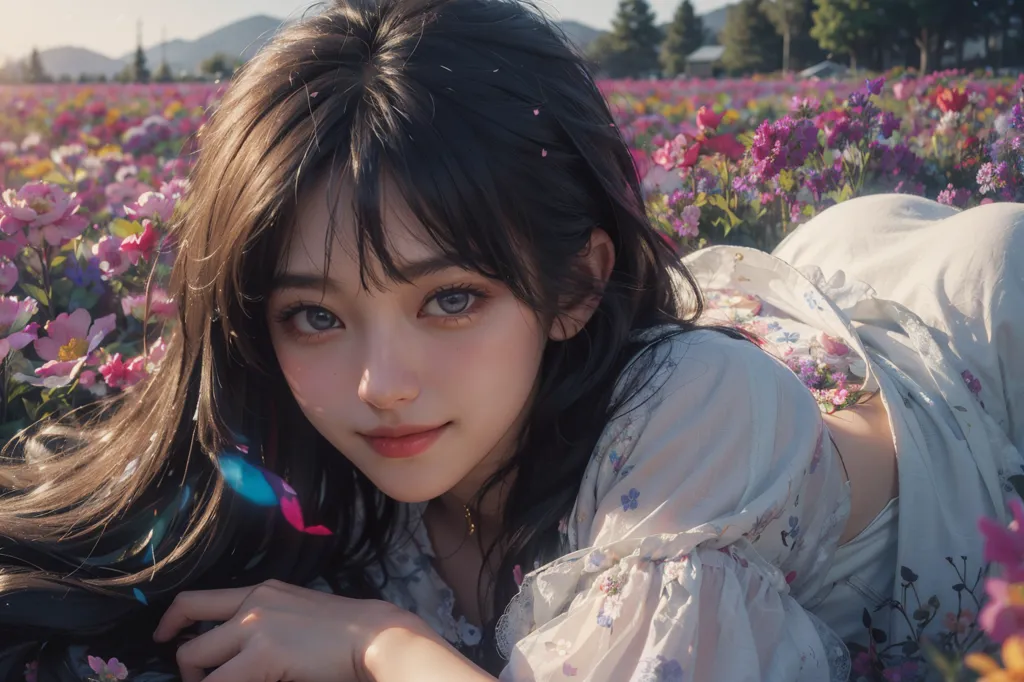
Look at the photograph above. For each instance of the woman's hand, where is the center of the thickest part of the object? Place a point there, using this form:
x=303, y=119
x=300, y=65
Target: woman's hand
x=275, y=632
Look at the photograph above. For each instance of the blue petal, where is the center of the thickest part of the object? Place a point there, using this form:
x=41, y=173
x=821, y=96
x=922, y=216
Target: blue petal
x=246, y=480
x=141, y=597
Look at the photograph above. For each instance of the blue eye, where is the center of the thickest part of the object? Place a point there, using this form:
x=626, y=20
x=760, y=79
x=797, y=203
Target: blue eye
x=308, y=320
x=453, y=302
x=318, y=319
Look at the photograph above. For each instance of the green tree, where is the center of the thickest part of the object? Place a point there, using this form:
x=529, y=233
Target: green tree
x=750, y=41
x=215, y=65
x=140, y=72
x=685, y=34
x=163, y=74
x=631, y=48
x=789, y=18
x=34, y=71
x=845, y=27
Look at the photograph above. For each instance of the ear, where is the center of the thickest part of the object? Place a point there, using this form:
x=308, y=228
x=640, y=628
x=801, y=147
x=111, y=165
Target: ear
x=597, y=260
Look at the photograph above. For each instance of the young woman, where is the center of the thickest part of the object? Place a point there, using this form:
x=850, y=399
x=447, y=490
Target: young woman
x=441, y=405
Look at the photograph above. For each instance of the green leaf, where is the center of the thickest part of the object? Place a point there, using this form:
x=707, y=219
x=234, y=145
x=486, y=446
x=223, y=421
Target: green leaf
x=58, y=261
x=36, y=293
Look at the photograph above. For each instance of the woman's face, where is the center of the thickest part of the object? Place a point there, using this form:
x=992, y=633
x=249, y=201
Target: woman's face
x=423, y=386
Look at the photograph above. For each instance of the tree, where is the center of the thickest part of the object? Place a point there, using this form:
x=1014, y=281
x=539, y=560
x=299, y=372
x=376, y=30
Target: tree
x=788, y=18
x=631, y=48
x=163, y=74
x=685, y=34
x=140, y=72
x=34, y=71
x=215, y=65
x=845, y=26
x=750, y=41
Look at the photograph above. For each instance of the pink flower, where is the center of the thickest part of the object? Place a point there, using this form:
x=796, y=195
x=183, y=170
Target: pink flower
x=109, y=257
x=834, y=346
x=126, y=191
x=151, y=205
x=958, y=625
x=119, y=374
x=8, y=275
x=15, y=330
x=677, y=153
x=1003, y=615
x=902, y=90
x=708, y=119
x=69, y=341
x=108, y=671
x=1006, y=545
x=40, y=211
x=141, y=245
x=160, y=306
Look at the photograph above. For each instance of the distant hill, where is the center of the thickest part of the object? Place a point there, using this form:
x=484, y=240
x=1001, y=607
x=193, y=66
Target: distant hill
x=241, y=40
x=581, y=35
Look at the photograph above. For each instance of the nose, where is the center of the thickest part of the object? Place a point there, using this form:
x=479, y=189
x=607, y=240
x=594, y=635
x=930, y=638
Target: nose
x=388, y=378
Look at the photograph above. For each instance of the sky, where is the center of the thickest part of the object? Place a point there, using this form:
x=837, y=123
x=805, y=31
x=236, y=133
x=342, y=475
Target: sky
x=109, y=26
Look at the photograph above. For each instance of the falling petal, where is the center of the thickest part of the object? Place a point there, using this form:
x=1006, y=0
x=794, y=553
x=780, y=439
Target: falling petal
x=543, y=152
x=292, y=512
x=317, y=530
x=247, y=480
x=242, y=448
x=140, y=596
x=288, y=488
x=536, y=112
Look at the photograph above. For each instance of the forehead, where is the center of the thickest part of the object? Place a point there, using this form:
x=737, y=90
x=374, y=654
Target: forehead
x=326, y=218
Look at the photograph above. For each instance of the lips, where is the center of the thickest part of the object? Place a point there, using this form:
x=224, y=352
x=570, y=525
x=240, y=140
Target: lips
x=403, y=442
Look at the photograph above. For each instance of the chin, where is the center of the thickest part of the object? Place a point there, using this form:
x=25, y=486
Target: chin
x=411, y=487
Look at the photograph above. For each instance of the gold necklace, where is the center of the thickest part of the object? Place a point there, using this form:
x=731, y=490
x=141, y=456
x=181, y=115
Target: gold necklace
x=469, y=521
x=470, y=530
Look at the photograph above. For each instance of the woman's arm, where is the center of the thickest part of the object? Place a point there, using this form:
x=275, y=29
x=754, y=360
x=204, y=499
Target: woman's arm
x=412, y=652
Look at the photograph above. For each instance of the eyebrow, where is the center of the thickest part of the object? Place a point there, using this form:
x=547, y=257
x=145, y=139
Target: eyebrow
x=408, y=272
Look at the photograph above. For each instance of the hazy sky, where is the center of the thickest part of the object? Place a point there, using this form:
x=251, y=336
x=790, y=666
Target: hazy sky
x=109, y=26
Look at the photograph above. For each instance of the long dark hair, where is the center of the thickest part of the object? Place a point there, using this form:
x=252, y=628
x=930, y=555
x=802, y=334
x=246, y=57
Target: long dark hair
x=500, y=142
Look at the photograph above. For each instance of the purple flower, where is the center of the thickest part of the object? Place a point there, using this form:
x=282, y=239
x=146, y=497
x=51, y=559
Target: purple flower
x=1017, y=116
x=1005, y=545
x=889, y=124
x=875, y=86
x=972, y=383
x=782, y=144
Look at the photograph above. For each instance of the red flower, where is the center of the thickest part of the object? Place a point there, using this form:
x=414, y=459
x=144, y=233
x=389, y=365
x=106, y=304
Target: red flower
x=708, y=119
x=727, y=145
x=951, y=100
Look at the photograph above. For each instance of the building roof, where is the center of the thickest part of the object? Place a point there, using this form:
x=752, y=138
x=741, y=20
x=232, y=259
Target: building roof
x=708, y=53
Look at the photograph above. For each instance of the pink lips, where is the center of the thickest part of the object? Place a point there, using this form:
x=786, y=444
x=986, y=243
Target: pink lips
x=403, y=442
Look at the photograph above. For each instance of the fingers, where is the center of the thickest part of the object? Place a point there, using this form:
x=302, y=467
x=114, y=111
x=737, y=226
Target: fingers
x=248, y=666
x=189, y=608
x=215, y=648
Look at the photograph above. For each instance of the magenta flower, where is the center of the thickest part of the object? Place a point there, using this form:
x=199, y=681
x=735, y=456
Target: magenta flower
x=1005, y=545
x=688, y=225
x=973, y=383
x=120, y=374
x=140, y=246
x=69, y=341
x=1003, y=615
x=40, y=211
x=15, y=331
x=952, y=196
x=151, y=205
x=782, y=144
x=108, y=671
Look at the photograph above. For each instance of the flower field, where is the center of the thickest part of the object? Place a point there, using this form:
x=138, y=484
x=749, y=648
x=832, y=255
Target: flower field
x=91, y=176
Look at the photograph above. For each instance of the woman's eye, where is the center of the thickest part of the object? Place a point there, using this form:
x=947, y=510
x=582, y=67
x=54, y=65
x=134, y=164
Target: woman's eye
x=314, y=320
x=449, y=303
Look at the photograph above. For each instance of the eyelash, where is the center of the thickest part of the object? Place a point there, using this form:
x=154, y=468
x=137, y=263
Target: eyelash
x=286, y=316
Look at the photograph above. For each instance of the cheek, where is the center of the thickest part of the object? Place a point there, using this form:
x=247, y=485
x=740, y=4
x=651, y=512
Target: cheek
x=312, y=380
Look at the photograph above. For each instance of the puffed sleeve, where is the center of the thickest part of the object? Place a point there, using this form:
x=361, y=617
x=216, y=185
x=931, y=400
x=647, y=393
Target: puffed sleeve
x=711, y=508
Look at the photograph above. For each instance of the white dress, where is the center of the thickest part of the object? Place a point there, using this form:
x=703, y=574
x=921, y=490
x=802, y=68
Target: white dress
x=703, y=543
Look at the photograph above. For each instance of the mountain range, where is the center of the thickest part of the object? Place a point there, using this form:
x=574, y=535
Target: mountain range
x=241, y=40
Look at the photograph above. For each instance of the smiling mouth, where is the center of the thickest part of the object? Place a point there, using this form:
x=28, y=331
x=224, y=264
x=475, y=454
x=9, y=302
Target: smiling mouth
x=403, y=443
